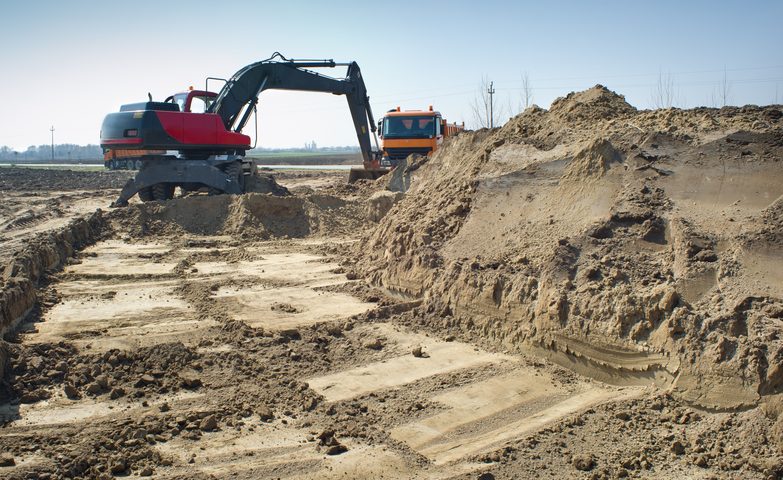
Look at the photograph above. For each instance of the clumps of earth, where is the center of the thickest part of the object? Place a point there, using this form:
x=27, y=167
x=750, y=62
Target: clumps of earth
x=652, y=235
x=158, y=369
x=250, y=383
x=253, y=216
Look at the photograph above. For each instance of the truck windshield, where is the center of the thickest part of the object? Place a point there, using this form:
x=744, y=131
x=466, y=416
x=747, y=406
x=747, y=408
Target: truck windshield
x=408, y=127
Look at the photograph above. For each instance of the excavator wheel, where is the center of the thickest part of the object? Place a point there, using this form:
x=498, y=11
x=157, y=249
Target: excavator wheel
x=145, y=194
x=162, y=191
x=233, y=170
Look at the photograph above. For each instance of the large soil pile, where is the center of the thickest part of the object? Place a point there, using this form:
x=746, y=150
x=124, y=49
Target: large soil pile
x=634, y=246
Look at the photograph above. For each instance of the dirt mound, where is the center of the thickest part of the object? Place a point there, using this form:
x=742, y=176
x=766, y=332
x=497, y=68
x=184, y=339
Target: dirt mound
x=264, y=182
x=380, y=203
x=614, y=240
x=593, y=104
x=251, y=215
x=267, y=216
x=592, y=161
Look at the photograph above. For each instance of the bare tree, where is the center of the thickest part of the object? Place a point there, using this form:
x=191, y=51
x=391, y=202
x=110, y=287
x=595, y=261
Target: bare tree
x=721, y=94
x=486, y=110
x=511, y=106
x=527, y=91
x=664, y=94
x=724, y=89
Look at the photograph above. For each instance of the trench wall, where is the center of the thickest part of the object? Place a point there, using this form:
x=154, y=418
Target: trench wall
x=44, y=253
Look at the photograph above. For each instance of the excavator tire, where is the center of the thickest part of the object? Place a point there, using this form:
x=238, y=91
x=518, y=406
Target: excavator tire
x=162, y=191
x=366, y=174
x=233, y=170
x=145, y=194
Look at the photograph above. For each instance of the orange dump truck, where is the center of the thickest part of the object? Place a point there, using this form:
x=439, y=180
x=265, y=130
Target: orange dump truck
x=404, y=133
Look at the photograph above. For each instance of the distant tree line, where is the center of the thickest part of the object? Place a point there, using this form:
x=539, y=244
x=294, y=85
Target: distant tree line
x=63, y=153
x=71, y=153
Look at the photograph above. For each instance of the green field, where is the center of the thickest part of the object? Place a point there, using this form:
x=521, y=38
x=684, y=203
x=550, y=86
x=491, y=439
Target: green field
x=307, y=158
x=262, y=158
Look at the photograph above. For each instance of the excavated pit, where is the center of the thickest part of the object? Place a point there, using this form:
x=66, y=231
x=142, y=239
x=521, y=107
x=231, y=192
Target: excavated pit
x=348, y=332
x=178, y=283
x=154, y=315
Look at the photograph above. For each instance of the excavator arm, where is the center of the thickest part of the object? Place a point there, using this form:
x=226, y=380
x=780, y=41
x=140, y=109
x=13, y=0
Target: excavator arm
x=211, y=146
x=238, y=98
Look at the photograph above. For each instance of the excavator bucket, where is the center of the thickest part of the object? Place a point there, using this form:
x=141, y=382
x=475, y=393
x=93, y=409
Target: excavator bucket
x=366, y=174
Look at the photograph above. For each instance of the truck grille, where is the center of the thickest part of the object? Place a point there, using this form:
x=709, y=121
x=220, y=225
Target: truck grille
x=397, y=154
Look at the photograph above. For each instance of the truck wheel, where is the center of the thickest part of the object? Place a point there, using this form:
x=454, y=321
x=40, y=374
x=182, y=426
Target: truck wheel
x=163, y=191
x=145, y=194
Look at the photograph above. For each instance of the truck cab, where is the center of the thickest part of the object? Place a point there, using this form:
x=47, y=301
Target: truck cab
x=408, y=132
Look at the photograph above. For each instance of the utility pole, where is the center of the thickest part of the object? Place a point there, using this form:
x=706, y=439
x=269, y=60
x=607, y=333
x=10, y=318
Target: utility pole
x=491, y=92
x=52, y=130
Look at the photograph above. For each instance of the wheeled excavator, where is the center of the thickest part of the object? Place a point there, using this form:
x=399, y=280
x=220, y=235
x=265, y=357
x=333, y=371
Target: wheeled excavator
x=207, y=150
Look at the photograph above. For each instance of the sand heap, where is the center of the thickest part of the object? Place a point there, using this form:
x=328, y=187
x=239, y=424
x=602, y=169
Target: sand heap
x=253, y=215
x=597, y=103
x=632, y=246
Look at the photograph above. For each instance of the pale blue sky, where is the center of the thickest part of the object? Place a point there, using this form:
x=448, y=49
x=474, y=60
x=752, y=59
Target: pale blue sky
x=68, y=63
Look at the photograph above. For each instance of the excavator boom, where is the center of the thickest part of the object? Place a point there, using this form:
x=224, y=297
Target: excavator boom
x=211, y=145
x=239, y=95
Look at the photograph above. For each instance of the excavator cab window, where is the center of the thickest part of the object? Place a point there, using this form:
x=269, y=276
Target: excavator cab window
x=199, y=104
x=180, y=100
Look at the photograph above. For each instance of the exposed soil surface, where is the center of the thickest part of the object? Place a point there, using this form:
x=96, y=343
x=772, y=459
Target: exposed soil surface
x=588, y=292
x=34, y=200
x=19, y=179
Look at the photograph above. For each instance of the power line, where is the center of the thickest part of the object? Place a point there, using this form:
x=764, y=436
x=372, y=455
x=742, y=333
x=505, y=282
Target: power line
x=591, y=77
x=491, y=92
x=705, y=83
